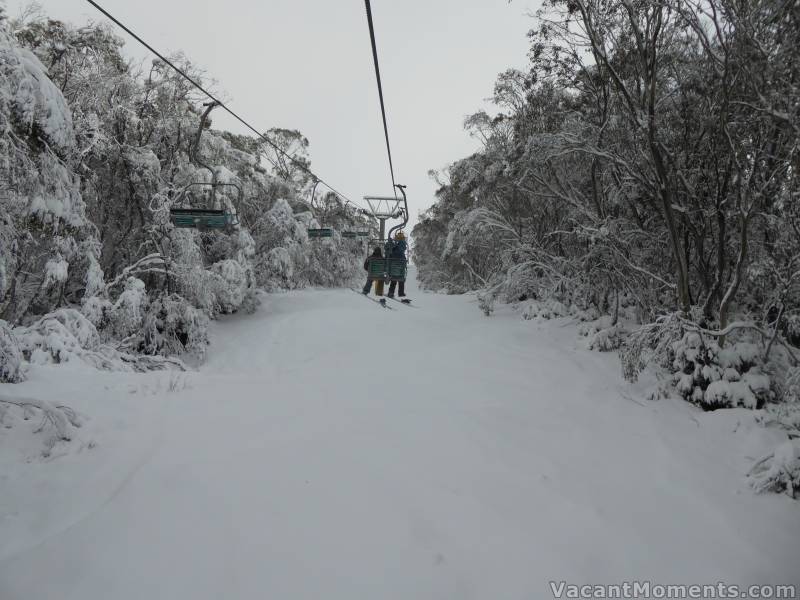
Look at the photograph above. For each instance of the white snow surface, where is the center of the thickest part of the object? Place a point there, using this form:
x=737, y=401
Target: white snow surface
x=333, y=449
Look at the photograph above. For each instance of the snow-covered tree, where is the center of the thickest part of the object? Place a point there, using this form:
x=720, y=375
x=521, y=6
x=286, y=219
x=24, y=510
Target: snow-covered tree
x=94, y=151
x=644, y=169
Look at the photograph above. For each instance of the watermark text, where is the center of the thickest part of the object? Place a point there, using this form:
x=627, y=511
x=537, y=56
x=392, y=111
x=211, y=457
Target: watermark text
x=647, y=589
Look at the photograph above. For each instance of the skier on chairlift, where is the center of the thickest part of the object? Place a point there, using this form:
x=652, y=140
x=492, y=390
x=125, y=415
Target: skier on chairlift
x=377, y=253
x=397, y=249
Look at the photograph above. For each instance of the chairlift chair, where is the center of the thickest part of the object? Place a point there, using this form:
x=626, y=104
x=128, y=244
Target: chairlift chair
x=208, y=217
x=213, y=215
x=355, y=234
x=387, y=269
x=383, y=208
x=320, y=232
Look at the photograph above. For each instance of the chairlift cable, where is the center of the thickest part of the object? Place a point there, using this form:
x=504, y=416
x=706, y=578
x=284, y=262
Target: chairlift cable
x=219, y=102
x=380, y=92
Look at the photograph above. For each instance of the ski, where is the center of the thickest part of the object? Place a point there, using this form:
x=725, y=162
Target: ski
x=404, y=301
x=382, y=301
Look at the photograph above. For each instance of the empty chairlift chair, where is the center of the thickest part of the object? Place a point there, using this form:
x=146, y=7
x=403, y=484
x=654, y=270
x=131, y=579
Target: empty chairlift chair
x=189, y=215
x=205, y=213
x=355, y=234
x=322, y=232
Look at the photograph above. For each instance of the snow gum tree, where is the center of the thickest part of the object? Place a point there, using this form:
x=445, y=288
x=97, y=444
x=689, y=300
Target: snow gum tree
x=94, y=151
x=642, y=176
x=644, y=167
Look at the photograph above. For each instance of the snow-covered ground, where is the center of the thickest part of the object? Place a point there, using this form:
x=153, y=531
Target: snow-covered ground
x=332, y=449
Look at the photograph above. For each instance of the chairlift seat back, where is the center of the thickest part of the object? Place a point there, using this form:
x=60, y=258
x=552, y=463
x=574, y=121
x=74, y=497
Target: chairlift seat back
x=201, y=218
x=387, y=269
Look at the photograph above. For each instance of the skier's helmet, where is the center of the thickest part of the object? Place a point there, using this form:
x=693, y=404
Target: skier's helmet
x=399, y=235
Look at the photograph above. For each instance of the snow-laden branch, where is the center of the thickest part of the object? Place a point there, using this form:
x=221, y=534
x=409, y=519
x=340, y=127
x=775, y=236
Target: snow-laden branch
x=60, y=417
x=145, y=264
x=747, y=325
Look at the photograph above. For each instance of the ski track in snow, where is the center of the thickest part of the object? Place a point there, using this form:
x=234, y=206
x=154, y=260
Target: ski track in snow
x=333, y=449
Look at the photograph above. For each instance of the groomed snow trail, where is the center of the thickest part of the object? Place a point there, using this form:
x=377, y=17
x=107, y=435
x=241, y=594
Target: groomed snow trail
x=333, y=449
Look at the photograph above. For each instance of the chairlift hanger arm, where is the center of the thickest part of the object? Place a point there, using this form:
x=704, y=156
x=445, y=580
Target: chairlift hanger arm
x=404, y=211
x=402, y=189
x=196, y=146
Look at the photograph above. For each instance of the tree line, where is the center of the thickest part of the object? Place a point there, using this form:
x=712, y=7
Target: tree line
x=644, y=167
x=94, y=151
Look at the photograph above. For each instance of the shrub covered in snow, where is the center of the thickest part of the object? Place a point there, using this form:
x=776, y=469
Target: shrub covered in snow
x=486, y=302
x=779, y=471
x=58, y=337
x=10, y=356
x=172, y=326
x=603, y=334
x=128, y=311
x=712, y=377
x=277, y=268
x=550, y=309
x=234, y=282
x=785, y=412
x=703, y=372
x=98, y=310
x=651, y=344
x=66, y=335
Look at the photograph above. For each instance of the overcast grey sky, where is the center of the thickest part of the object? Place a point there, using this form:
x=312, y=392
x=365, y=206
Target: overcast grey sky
x=307, y=65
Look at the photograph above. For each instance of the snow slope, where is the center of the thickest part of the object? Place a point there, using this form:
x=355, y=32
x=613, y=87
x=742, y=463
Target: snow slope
x=333, y=449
